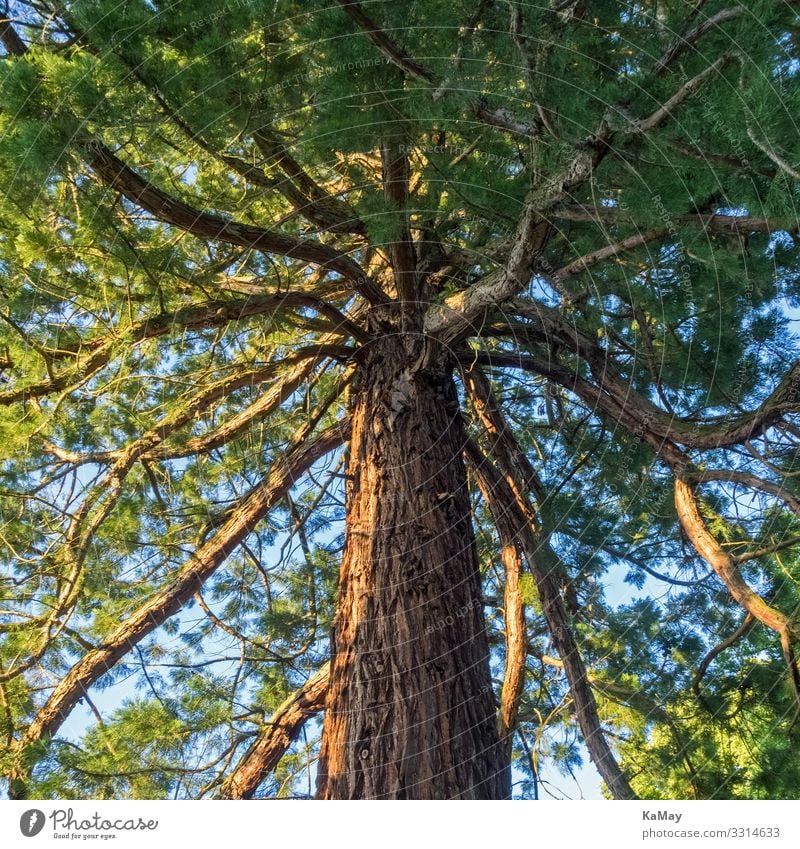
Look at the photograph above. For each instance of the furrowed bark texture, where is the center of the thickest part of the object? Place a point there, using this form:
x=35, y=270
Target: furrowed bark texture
x=410, y=711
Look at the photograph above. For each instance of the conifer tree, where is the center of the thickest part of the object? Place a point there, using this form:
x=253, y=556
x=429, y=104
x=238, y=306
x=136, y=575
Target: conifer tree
x=399, y=400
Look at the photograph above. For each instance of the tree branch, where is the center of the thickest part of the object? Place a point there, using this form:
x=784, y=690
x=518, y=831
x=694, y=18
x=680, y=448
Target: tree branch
x=275, y=737
x=500, y=118
x=725, y=567
x=733, y=224
x=516, y=644
x=252, y=508
x=589, y=260
x=749, y=480
x=681, y=95
x=684, y=42
x=507, y=497
x=769, y=151
x=616, y=397
x=506, y=512
x=727, y=643
x=117, y=175
x=395, y=170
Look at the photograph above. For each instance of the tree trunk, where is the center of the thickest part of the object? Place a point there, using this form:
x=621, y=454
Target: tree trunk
x=410, y=711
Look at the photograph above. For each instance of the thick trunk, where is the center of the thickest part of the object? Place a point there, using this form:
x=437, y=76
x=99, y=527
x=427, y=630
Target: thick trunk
x=410, y=711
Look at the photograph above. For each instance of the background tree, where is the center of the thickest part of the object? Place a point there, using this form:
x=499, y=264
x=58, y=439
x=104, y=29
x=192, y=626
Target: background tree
x=399, y=398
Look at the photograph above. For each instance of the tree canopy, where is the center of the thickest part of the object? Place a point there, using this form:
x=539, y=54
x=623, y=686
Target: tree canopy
x=211, y=210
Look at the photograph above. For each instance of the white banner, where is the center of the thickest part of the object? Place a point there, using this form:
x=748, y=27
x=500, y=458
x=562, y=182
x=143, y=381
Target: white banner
x=415, y=825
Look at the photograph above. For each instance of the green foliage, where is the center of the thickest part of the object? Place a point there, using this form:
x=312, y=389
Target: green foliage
x=131, y=428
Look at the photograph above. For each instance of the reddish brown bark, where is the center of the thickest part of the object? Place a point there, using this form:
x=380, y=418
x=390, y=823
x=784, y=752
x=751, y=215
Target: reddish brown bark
x=410, y=711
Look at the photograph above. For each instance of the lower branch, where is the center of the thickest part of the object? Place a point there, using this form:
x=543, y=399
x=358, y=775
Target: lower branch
x=541, y=561
x=151, y=615
x=275, y=737
x=725, y=567
x=516, y=646
x=507, y=490
x=737, y=635
x=749, y=480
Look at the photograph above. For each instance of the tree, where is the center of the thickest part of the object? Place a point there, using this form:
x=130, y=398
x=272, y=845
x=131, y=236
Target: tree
x=420, y=374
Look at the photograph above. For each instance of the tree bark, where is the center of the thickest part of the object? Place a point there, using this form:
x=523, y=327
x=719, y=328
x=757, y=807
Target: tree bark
x=410, y=711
